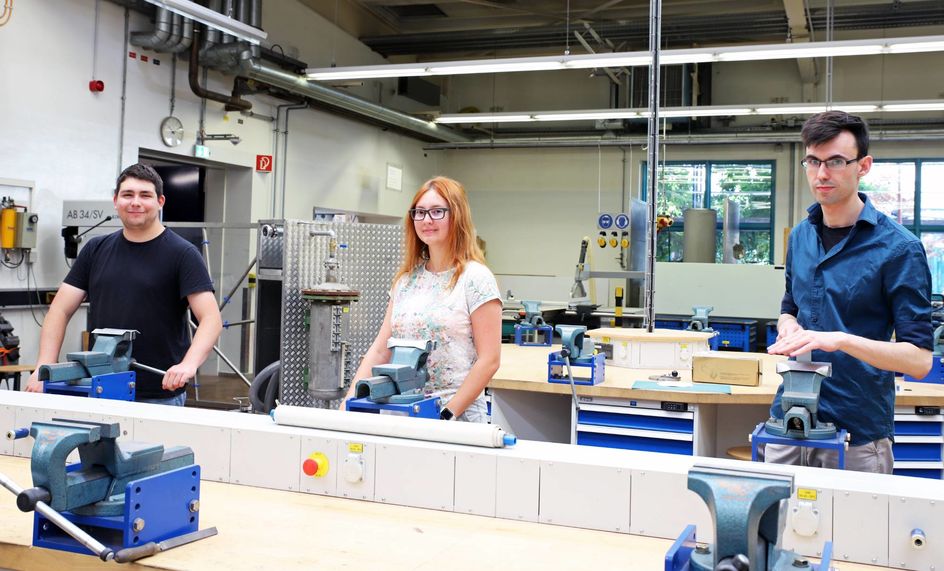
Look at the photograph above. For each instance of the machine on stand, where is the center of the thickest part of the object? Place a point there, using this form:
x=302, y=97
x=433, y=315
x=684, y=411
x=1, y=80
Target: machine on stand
x=577, y=353
x=397, y=387
x=329, y=325
x=103, y=372
x=749, y=519
x=122, y=501
x=800, y=402
x=532, y=331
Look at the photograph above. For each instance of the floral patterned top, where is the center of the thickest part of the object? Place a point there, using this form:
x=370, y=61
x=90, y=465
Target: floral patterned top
x=423, y=308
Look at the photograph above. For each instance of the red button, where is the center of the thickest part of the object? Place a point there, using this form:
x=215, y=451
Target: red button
x=310, y=467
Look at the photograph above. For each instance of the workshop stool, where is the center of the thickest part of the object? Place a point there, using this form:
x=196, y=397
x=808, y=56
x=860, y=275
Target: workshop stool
x=739, y=453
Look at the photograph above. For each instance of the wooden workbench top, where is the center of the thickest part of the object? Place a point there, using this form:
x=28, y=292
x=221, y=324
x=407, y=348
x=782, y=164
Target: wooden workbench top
x=525, y=369
x=268, y=529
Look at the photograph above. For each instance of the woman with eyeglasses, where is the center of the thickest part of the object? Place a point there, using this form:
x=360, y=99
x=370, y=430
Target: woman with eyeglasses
x=444, y=292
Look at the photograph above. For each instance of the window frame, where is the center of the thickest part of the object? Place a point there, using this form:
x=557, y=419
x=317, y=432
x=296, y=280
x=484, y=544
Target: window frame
x=677, y=225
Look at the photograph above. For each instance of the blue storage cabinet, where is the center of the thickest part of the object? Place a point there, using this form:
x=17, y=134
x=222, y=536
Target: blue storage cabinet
x=771, y=333
x=639, y=425
x=734, y=334
x=919, y=444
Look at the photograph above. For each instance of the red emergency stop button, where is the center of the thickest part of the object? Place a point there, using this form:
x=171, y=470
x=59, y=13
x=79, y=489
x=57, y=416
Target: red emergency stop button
x=316, y=465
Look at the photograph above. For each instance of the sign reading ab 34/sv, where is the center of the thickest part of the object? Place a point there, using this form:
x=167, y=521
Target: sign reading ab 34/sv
x=89, y=213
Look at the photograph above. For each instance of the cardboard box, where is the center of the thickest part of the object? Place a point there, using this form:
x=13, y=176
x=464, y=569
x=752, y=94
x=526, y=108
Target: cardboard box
x=726, y=368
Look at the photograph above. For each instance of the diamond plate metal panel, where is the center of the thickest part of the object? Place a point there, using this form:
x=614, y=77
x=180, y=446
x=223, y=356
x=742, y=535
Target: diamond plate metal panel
x=368, y=256
x=269, y=249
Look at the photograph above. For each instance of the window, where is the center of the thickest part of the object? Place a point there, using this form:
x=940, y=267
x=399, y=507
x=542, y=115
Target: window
x=707, y=185
x=908, y=191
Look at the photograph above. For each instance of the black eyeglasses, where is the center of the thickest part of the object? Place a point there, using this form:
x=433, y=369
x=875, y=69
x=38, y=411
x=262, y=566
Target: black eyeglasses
x=418, y=214
x=833, y=164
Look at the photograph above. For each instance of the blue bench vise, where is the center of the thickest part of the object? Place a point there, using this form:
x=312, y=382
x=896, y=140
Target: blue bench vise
x=749, y=518
x=532, y=331
x=103, y=372
x=578, y=358
x=122, y=495
x=397, y=387
x=800, y=402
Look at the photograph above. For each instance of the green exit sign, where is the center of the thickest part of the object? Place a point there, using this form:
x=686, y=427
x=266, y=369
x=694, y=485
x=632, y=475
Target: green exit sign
x=201, y=151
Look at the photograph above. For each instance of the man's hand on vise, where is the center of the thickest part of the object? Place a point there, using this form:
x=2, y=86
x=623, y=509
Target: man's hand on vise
x=803, y=341
x=178, y=376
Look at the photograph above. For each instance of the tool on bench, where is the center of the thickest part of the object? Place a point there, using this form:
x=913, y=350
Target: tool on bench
x=749, y=516
x=577, y=352
x=802, y=381
x=103, y=372
x=532, y=331
x=120, y=497
x=397, y=387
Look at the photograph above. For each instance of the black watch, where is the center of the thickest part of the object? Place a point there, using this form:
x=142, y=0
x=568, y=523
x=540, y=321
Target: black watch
x=446, y=414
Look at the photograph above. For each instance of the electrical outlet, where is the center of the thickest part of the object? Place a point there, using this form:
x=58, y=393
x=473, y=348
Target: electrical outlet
x=31, y=256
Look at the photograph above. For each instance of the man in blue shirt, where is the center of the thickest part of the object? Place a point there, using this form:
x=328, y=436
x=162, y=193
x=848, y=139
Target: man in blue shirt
x=853, y=277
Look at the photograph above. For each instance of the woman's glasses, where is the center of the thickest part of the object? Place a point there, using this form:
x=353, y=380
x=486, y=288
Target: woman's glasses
x=418, y=214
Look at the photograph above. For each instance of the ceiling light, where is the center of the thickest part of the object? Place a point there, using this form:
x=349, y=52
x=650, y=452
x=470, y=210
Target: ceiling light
x=914, y=106
x=634, y=59
x=699, y=111
x=484, y=118
x=213, y=19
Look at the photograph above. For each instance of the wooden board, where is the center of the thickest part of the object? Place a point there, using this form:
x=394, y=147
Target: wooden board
x=525, y=369
x=268, y=529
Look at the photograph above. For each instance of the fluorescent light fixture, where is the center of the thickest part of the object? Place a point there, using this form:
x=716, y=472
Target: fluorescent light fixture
x=632, y=59
x=913, y=106
x=704, y=111
x=485, y=118
x=213, y=19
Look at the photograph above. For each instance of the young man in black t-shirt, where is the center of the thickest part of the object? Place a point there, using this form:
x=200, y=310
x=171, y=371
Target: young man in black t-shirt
x=142, y=277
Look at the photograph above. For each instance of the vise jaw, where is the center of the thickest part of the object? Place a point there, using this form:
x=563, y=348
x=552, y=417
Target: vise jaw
x=403, y=378
x=111, y=353
x=800, y=401
x=95, y=487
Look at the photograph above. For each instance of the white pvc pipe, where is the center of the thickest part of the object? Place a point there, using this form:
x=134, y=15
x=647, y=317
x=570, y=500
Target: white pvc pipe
x=468, y=433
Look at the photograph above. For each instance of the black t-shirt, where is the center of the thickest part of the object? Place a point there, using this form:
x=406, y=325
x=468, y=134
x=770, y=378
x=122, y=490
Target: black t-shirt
x=832, y=236
x=143, y=286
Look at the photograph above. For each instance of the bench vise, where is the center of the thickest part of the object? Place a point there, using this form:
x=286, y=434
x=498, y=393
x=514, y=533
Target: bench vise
x=398, y=386
x=577, y=351
x=122, y=494
x=102, y=372
x=748, y=522
x=800, y=402
x=532, y=331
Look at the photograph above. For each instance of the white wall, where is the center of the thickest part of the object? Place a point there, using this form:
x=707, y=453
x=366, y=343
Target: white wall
x=72, y=143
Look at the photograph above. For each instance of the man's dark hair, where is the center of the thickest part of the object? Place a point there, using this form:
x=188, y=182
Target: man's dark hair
x=826, y=126
x=141, y=172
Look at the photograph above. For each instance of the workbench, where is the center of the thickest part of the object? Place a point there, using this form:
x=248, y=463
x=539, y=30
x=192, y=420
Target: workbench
x=524, y=403
x=269, y=529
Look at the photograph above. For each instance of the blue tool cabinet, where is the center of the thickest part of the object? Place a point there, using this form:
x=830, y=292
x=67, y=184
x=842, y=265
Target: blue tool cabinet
x=734, y=334
x=638, y=425
x=919, y=444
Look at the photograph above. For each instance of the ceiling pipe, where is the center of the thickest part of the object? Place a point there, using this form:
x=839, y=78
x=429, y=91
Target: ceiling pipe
x=186, y=38
x=211, y=36
x=299, y=85
x=176, y=32
x=162, y=29
x=231, y=102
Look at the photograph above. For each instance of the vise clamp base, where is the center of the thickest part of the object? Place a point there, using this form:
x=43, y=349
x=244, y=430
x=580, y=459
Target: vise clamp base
x=748, y=521
x=403, y=378
x=800, y=402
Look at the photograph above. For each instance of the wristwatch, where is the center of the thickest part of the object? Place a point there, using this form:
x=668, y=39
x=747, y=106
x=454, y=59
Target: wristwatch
x=446, y=414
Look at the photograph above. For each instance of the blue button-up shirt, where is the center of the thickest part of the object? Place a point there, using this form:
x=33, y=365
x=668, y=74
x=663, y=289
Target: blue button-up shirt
x=873, y=282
